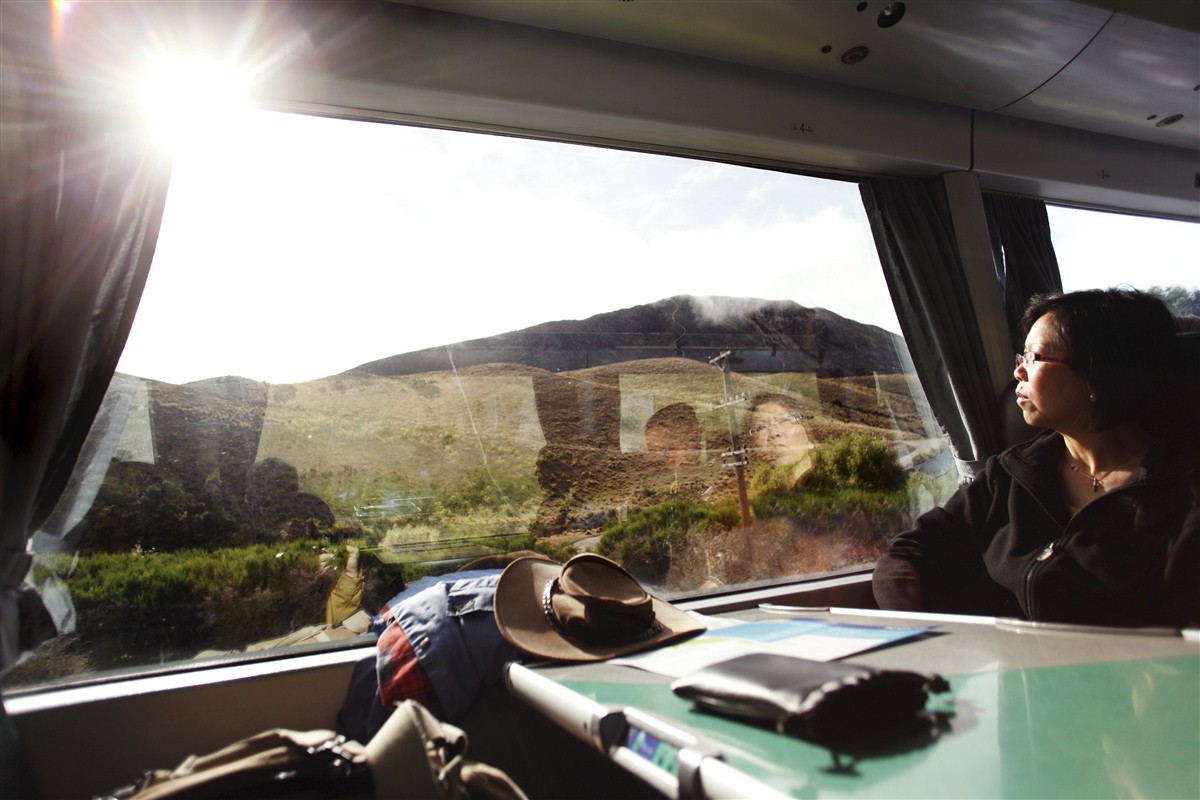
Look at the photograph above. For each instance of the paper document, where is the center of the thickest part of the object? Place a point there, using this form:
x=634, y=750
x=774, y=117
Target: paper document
x=816, y=640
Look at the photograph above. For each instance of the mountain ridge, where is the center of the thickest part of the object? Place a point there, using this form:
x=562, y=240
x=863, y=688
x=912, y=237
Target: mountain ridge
x=762, y=336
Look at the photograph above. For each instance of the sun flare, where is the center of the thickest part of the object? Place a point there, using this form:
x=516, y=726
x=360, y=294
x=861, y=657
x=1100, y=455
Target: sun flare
x=190, y=102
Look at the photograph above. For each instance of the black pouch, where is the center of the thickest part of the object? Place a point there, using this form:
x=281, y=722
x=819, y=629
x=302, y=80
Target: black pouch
x=841, y=706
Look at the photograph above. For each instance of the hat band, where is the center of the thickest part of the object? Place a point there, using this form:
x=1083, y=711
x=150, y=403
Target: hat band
x=652, y=629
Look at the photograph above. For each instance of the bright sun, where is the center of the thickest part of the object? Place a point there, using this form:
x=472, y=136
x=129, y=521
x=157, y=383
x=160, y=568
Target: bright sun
x=192, y=101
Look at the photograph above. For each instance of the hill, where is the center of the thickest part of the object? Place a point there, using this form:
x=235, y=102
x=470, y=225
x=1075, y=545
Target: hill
x=764, y=335
x=613, y=412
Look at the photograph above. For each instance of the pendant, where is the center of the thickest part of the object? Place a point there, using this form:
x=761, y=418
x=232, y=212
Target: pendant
x=1095, y=485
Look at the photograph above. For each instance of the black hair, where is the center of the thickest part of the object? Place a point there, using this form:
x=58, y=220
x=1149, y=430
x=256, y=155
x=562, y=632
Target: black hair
x=1122, y=341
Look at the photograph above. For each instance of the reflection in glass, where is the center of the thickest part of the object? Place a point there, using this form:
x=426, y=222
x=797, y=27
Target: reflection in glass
x=390, y=351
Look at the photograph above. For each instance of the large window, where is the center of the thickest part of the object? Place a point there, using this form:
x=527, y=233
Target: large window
x=1098, y=250
x=371, y=352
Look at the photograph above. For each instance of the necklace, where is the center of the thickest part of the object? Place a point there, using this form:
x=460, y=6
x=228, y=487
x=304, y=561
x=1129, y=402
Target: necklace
x=1097, y=480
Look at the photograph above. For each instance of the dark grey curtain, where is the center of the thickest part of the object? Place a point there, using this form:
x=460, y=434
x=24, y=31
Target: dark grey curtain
x=81, y=202
x=1023, y=251
x=910, y=221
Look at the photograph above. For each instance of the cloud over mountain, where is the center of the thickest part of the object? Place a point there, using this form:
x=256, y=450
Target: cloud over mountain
x=763, y=336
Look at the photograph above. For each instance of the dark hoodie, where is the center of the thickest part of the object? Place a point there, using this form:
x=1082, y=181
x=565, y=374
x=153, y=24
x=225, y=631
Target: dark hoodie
x=1006, y=544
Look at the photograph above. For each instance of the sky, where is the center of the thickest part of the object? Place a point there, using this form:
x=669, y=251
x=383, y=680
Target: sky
x=293, y=248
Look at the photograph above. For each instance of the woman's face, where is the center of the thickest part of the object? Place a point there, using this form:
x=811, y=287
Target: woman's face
x=1052, y=395
x=778, y=433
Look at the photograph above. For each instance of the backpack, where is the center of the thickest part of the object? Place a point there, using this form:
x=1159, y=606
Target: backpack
x=414, y=755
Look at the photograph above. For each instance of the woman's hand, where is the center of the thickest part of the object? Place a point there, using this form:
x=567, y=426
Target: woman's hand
x=896, y=585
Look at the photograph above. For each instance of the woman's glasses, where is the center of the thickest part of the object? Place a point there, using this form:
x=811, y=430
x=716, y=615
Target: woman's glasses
x=1026, y=359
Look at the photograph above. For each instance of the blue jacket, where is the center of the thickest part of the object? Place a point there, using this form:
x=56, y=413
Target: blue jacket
x=438, y=644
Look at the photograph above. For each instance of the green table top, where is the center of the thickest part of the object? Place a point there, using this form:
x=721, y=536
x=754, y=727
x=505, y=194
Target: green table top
x=1033, y=714
x=1124, y=729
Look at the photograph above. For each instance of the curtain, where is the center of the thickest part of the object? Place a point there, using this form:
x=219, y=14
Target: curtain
x=81, y=202
x=914, y=234
x=1023, y=252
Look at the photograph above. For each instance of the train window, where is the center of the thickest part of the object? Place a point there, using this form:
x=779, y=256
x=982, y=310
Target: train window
x=370, y=352
x=1098, y=250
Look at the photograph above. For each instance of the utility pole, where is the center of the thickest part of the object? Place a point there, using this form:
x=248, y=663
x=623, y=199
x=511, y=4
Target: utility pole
x=737, y=453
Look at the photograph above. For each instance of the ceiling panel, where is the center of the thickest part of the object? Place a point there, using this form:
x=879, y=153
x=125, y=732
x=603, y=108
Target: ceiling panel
x=1059, y=61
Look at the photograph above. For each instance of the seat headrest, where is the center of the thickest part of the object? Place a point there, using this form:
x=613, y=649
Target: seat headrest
x=1188, y=343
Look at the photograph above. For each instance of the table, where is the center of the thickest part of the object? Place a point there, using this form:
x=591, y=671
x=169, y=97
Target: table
x=1035, y=713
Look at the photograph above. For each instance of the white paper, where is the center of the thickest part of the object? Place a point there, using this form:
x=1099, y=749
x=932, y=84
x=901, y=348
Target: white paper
x=816, y=640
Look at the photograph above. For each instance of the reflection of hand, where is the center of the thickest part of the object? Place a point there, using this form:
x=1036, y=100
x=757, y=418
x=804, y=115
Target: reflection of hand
x=896, y=585
x=324, y=559
x=351, y=559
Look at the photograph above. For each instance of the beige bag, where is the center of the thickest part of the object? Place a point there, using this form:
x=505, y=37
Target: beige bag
x=415, y=756
x=277, y=763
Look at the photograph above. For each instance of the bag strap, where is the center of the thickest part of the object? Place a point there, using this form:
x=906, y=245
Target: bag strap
x=410, y=753
x=416, y=755
x=276, y=757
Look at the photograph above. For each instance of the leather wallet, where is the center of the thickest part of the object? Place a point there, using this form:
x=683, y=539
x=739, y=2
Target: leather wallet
x=829, y=703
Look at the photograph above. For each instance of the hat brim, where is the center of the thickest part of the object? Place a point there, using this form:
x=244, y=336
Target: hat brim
x=523, y=622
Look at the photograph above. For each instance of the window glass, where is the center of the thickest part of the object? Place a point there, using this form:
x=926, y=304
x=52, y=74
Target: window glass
x=1099, y=250
x=369, y=352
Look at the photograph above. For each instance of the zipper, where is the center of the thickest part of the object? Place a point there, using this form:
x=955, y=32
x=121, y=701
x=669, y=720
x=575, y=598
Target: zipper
x=1038, y=560
x=1047, y=551
x=1060, y=543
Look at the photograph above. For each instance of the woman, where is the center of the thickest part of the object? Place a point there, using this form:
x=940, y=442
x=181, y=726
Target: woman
x=1096, y=520
x=775, y=431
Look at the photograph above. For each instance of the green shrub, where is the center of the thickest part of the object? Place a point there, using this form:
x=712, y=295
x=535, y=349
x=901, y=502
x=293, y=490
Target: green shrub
x=642, y=543
x=854, y=461
x=147, y=504
x=854, y=492
x=872, y=516
x=855, y=482
x=560, y=553
x=482, y=489
x=141, y=604
x=770, y=479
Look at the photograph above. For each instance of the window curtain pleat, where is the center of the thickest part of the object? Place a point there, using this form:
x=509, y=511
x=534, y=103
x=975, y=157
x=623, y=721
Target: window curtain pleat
x=1023, y=251
x=82, y=202
x=914, y=235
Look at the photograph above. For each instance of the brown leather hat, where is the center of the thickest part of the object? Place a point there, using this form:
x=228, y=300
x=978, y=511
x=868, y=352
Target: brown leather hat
x=588, y=609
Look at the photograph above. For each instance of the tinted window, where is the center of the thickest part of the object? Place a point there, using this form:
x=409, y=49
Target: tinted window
x=371, y=352
x=1098, y=250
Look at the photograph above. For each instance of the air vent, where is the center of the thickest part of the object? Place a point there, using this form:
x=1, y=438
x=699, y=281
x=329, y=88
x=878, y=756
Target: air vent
x=855, y=54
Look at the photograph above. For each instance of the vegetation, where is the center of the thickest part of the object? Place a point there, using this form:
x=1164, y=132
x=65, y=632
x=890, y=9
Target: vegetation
x=144, y=603
x=1182, y=301
x=642, y=543
x=179, y=557
x=856, y=461
x=173, y=604
x=141, y=605
x=842, y=510
x=145, y=505
x=831, y=506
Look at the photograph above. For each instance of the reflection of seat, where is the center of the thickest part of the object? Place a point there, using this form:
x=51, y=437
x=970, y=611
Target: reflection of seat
x=1189, y=353
x=1188, y=343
